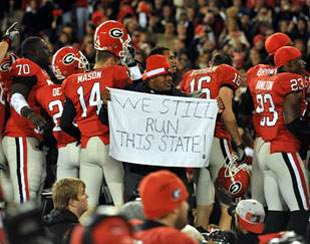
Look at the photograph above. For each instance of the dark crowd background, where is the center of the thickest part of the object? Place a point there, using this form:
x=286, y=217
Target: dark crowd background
x=192, y=29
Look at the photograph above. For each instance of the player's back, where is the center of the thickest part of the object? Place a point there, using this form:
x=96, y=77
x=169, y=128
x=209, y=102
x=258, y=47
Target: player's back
x=206, y=83
x=33, y=76
x=51, y=99
x=252, y=74
x=84, y=90
x=270, y=93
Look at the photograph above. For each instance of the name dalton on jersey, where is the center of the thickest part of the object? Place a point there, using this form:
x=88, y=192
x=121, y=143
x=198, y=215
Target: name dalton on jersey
x=89, y=76
x=264, y=85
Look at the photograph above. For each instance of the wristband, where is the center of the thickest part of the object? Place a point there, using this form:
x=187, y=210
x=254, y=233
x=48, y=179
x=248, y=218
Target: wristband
x=18, y=102
x=135, y=72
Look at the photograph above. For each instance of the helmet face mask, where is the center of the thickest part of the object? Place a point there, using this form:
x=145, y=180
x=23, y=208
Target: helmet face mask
x=113, y=37
x=67, y=61
x=233, y=178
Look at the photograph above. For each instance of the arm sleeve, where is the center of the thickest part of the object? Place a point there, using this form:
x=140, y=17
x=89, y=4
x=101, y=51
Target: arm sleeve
x=28, y=81
x=133, y=85
x=299, y=128
x=245, y=110
x=246, y=106
x=49, y=139
x=67, y=118
x=103, y=115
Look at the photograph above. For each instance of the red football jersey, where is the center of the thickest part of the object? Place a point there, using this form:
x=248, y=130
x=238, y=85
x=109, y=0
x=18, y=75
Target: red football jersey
x=17, y=125
x=51, y=99
x=251, y=75
x=84, y=90
x=207, y=83
x=270, y=92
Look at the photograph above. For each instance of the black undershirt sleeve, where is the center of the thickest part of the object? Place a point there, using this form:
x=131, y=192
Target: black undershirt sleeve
x=246, y=106
x=103, y=115
x=22, y=84
x=299, y=128
x=66, y=120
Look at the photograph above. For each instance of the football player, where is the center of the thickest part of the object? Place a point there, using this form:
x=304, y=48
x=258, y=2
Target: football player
x=272, y=44
x=83, y=102
x=220, y=79
x=6, y=62
x=65, y=62
x=279, y=99
x=21, y=142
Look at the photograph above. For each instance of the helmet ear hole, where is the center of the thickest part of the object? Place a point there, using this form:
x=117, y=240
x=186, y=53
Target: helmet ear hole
x=67, y=61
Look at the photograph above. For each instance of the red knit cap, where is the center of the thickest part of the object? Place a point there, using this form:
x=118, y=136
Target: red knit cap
x=156, y=65
x=285, y=54
x=275, y=41
x=111, y=230
x=161, y=192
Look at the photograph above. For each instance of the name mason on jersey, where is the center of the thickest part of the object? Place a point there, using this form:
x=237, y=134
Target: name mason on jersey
x=264, y=85
x=89, y=76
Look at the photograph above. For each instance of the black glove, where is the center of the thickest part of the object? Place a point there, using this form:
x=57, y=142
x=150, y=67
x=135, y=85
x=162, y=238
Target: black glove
x=129, y=58
x=38, y=121
x=240, y=153
x=11, y=33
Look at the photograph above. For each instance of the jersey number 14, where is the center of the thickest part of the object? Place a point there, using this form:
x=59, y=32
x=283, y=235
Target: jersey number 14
x=93, y=101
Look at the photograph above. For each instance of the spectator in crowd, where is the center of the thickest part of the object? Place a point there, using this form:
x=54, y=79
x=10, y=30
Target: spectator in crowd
x=30, y=20
x=165, y=209
x=106, y=226
x=165, y=51
x=133, y=211
x=160, y=83
x=70, y=202
x=167, y=38
x=82, y=15
x=249, y=220
x=23, y=224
